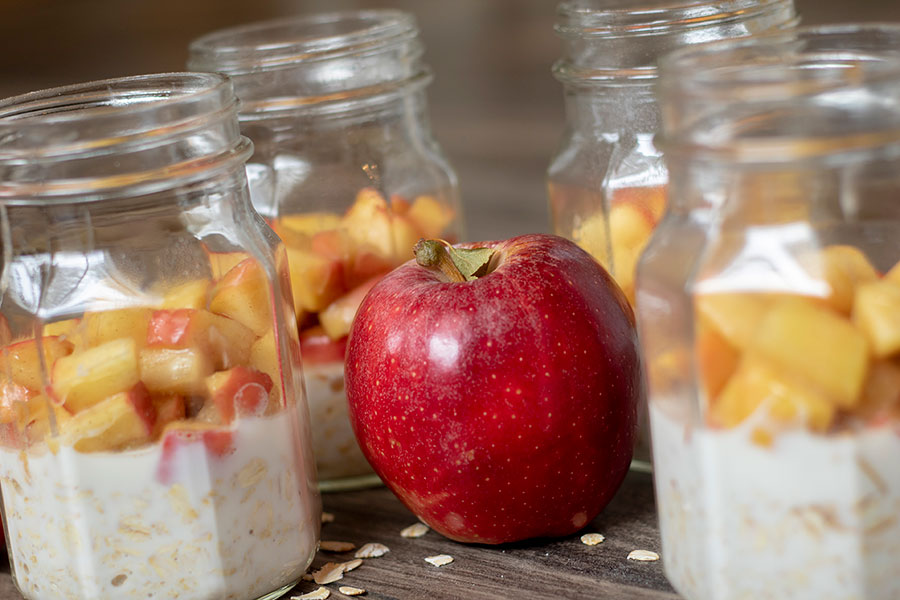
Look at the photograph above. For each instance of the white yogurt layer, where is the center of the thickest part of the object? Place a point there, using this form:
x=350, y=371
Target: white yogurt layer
x=199, y=526
x=814, y=517
x=337, y=454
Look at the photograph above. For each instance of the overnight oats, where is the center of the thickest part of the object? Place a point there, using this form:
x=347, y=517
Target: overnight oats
x=150, y=388
x=334, y=259
x=769, y=314
x=346, y=172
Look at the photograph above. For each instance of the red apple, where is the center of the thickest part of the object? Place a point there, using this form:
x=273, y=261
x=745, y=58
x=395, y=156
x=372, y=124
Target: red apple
x=501, y=408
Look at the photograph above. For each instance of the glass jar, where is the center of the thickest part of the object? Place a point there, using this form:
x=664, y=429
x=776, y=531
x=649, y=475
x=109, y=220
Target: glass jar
x=346, y=172
x=607, y=182
x=150, y=381
x=768, y=304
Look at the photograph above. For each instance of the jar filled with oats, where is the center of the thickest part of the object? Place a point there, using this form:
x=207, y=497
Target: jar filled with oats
x=607, y=182
x=149, y=375
x=346, y=172
x=768, y=304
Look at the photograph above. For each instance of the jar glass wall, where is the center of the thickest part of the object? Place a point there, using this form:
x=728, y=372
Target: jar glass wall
x=767, y=305
x=347, y=173
x=607, y=182
x=149, y=383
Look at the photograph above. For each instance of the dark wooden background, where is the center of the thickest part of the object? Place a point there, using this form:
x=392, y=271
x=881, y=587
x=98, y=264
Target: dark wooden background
x=495, y=107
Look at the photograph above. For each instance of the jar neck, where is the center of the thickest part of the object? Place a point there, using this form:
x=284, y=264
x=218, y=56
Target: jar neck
x=602, y=109
x=116, y=139
x=607, y=40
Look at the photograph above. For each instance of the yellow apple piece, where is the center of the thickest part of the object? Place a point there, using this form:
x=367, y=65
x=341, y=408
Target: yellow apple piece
x=297, y=230
x=736, y=316
x=315, y=279
x=84, y=378
x=264, y=358
x=430, y=216
x=813, y=342
x=405, y=235
x=876, y=312
x=243, y=294
x=33, y=419
x=629, y=227
x=66, y=329
x=169, y=408
x=760, y=385
x=337, y=318
x=104, y=326
x=716, y=360
x=844, y=268
x=222, y=262
x=175, y=371
x=191, y=294
x=23, y=359
x=881, y=392
x=592, y=235
x=226, y=341
x=12, y=397
x=123, y=420
x=368, y=223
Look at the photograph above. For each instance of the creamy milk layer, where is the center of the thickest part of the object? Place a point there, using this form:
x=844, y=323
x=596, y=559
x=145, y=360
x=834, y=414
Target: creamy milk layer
x=337, y=454
x=813, y=517
x=180, y=524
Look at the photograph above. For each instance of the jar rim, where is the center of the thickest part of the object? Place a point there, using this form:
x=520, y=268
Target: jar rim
x=284, y=42
x=118, y=137
x=620, y=18
x=725, y=100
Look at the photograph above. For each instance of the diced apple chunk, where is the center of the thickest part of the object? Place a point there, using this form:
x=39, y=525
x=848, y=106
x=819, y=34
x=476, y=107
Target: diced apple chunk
x=716, y=360
x=817, y=344
x=226, y=341
x=876, y=312
x=169, y=408
x=629, y=227
x=33, y=419
x=239, y=391
x=23, y=361
x=123, y=420
x=222, y=262
x=337, y=318
x=264, y=358
x=368, y=222
x=430, y=216
x=108, y=325
x=593, y=237
x=845, y=268
x=736, y=316
x=85, y=378
x=297, y=230
x=192, y=294
x=881, y=392
x=243, y=294
x=315, y=280
x=12, y=397
x=175, y=371
x=65, y=329
x=786, y=400
x=405, y=235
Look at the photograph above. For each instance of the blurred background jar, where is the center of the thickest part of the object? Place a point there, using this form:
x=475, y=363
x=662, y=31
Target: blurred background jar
x=347, y=173
x=607, y=181
x=150, y=384
x=769, y=312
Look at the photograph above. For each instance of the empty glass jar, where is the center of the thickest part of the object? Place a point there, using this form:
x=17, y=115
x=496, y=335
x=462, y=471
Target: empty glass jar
x=769, y=313
x=149, y=375
x=346, y=172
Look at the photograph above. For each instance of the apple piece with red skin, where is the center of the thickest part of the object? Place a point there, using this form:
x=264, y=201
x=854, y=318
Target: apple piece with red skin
x=501, y=408
x=180, y=435
x=317, y=348
x=238, y=391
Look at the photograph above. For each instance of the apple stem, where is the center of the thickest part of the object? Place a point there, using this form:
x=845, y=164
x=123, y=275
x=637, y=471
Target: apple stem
x=432, y=254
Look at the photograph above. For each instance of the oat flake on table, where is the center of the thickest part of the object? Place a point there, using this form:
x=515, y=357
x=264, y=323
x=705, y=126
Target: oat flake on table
x=351, y=591
x=440, y=560
x=414, y=531
x=643, y=555
x=332, y=546
x=351, y=564
x=319, y=594
x=592, y=539
x=329, y=573
x=372, y=550
x=327, y=517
